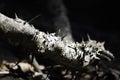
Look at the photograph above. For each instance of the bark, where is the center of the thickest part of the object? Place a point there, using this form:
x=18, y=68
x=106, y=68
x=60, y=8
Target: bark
x=68, y=53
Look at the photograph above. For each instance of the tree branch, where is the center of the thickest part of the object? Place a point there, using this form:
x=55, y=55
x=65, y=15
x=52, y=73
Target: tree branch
x=68, y=53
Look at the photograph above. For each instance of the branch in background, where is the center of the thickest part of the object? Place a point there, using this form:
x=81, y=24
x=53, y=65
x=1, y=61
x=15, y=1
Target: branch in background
x=68, y=53
x=59, y=18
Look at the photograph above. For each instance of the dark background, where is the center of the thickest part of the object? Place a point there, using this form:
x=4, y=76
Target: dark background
x=97, y=18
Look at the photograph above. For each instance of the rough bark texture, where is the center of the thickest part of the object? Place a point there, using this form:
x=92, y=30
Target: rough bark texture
x=68, y=53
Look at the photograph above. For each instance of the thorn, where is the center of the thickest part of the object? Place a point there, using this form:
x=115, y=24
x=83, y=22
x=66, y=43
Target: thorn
x=37, y=16
x=47, y=33
x=16, y=17
x=103, y=43
x=83, y=40
x=88, y=37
